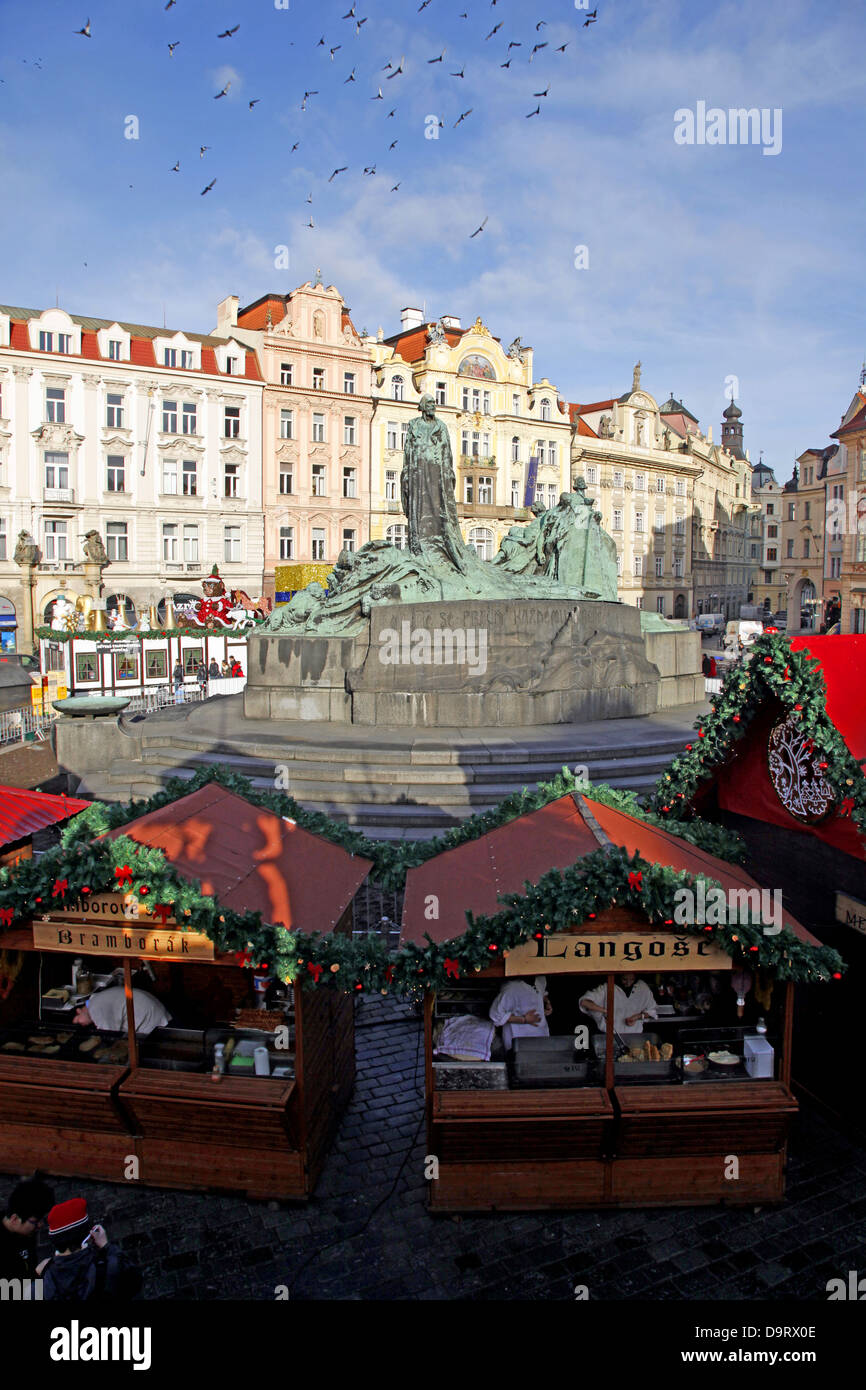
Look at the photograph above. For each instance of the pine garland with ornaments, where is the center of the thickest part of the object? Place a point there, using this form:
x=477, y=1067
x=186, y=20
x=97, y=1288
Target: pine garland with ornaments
x=795, y=680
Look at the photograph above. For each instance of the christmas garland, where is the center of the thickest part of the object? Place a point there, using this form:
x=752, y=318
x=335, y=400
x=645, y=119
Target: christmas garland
x=796, y=681
x=561, y=900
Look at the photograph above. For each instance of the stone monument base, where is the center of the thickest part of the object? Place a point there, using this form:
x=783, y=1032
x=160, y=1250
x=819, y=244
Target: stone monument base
x=474, y=663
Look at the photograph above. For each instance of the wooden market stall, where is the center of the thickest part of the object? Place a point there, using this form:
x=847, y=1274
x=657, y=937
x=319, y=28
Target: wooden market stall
x=583, y=1119
x=257, y=1120
x=25, y=813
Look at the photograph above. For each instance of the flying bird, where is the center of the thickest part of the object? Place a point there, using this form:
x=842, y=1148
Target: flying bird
x=371, y=169
x=209, y=187
x=175, y=168
x=85, y=31
x=321, y=43
x=506, y=65
x=392, y=145
x=309, y=197
x=439, y=59
x=351, y=77
x=338, y=171
x=562, y=50
x=461, y=73
x=228, y=32
x=358, y=25
x=494, y=31
x=304, y=102
x=590, y=20
x=398, y=69
x=335, y=49
x=514, y=44
x=396, y=186
x=351, y=14
x=171, y=48
x=542, y=24
x=462, y=117
x=253, y=103
x=537, y=49
x=202, y=149
x=169, y=5
x=479, y=229
x=544, y=93
x=592, y=14
x=224, y=92
x=536, y=112
x=390, y=114
x=311, y=223
x=294, y=147
x=378, y=96
x=423, y=5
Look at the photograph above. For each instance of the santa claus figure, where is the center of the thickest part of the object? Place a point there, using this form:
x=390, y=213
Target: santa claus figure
x=215, y=608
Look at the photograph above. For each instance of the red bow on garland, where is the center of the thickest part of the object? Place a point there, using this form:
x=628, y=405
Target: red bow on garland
x=315, y=970
x=60, y=887
x=635, y=880
x=243, y=957
x=847, y=806
x=452, y=968
x=162, y=911
x=124, y=875
x=6, y=916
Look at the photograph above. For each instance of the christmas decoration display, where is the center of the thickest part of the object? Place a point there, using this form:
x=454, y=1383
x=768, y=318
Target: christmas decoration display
x=812, y=769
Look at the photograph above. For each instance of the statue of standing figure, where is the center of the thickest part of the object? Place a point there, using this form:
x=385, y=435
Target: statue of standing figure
x=427, y=485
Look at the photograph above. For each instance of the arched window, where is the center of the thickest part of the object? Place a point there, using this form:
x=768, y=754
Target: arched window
x=545, y=409
x=515, y=449
x=397, y=388
x=398, y=535
x=481, y=540
x=121, y=605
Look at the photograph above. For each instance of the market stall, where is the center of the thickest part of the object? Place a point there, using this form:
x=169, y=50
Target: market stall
x=653, y=1064
x=231, y=1077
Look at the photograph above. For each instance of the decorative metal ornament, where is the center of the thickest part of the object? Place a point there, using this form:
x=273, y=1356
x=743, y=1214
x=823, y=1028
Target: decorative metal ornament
x=797, y=779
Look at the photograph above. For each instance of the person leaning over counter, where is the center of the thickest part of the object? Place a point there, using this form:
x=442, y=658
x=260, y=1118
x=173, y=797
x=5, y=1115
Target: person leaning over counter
x=107, y=1011
x=521, y=1009
x=632, y=1003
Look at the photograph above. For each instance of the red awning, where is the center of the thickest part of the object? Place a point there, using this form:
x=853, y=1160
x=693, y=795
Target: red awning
x=843, y=661
x=22, y=813
x=253, y=860
x=473, y=876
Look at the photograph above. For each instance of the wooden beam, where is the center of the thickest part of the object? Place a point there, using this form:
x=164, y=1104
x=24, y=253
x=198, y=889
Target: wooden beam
x=130, y=1013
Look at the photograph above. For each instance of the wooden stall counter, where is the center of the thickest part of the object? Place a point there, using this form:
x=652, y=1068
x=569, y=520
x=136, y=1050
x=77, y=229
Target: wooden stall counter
x=62, y=1116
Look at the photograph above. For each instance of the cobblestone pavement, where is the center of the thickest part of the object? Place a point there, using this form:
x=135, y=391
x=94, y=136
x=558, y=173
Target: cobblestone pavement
x=367, y=1233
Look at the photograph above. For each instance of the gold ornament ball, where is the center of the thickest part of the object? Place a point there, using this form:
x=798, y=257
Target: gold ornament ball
x=334, y=968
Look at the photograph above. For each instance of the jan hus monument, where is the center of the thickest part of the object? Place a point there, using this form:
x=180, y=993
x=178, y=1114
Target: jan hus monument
x=433, y=636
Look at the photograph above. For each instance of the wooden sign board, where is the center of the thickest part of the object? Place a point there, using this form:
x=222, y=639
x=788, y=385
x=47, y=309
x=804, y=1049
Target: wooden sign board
x=617, y=951
x=122, y=939
x=851, y=912
x=112, y=907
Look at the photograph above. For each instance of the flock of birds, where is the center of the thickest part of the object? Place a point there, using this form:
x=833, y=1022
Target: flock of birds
x=391, y=71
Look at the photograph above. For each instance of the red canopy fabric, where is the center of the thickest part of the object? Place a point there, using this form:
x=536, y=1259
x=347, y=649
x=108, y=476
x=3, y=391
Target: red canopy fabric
x=24, y=812
x=253, y=860
x=843, y=661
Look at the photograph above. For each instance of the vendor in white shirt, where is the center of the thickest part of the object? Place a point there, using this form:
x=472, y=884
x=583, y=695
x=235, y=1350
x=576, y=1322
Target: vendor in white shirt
x=632, y=1003
x=521, y=1009
x=107, y=1011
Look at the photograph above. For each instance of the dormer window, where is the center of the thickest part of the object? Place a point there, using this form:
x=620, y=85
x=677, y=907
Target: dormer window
x=231, y=366
x=46, y=342
x=397, y=388
x=115, y=349
x=169, y=357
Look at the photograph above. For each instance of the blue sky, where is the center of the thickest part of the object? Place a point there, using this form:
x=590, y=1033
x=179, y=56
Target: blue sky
x=706, y=262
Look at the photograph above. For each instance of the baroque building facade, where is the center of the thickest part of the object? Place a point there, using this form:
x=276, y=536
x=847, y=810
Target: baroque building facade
x=149, y=436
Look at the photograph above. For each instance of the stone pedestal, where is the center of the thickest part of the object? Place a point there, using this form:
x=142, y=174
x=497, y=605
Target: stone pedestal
x=468, y=663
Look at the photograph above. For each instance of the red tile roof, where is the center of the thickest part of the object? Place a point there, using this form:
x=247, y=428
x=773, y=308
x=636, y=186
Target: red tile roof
x=412, y=345
x=473, y=876
x=856, y=423
x=255, y=316
x=594, y=405
x=253, y=860
x=24, y=812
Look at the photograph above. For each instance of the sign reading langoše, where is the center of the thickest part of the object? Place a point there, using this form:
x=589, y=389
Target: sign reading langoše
x=596, y=955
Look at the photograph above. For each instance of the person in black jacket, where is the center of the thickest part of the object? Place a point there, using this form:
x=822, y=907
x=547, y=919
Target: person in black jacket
x=85, y=1265
x=25, y=1210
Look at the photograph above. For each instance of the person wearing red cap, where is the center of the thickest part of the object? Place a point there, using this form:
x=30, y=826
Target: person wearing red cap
x=25, y=1210
x=85, y=1264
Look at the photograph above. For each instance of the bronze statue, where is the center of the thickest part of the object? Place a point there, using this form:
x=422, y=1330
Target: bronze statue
x=427, y=489
x=94, y=549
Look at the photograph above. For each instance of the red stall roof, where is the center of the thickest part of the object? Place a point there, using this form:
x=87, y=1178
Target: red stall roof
x=24, y=812
x=472, y=876
x=253, y=860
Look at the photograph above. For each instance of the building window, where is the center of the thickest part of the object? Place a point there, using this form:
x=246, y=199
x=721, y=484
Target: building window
x=772, y=532
x=231, y=478
x=287, y=542
x=637, y=569
x=169, y=357
x=318, y=480
x=287, y=424
x=771, y=509
x=515, y=449
x=836, y=567
x=639, y=521
x=539, y=494
x=169, y=417
x=318, y=378
x=660, y=484
x=156, y=665
x=486, y=406
x=391, y=435
x=349, y=429
x=115, y=349
x=2, y=538
x=639, y=482
x=397, y=388
x=681, y=487
x=188, y=418
x=46, y=342
x=318, y=429
x=114, y=411
x=349, y=383
x=515, y=404
x=619, y=567
x=515, y=492
x=545, y=409
x=485, y=491
x=349, y=487
x=659, y=523
x=467, y=490
x=55, y=405
x=678, y=567
x=57, y=470
x=551, y=494
x=169, y=541
x=116, y=540
x=789, y=550
x=232, y=543
x=398, y=536
x=190, y=478
x=660, y=566
x=465, y=398
x=190, y=544
x=617, y=518
x=551, y=453
x=390, y=485
x=476, y=400
x=349, y=539
x=126, y=666
x=318, y=543
x=186, y=359
x=592, y=475
x=232, y=422
x=56, y=541
x=481, y=541
x=660, y=604
x=192, y=656
x=806, y=546
x=638, y=603
x=286, y=374
x=85, y=667
x=441, y=393
x=807, y=511
x=169, y=477
x=679, y=526
x=617, y=477
x=231, y=366
x=287, y=483
x=792, y=511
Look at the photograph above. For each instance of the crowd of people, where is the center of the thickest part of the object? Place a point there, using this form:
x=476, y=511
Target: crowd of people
x=216, y=671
